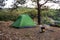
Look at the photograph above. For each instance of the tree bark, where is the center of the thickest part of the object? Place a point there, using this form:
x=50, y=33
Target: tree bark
x=39, y=12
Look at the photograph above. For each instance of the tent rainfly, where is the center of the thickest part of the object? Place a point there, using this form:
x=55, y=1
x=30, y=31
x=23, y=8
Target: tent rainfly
x=24, y=21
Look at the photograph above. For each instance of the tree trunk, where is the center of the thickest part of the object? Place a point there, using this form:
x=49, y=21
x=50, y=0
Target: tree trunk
x=39, y=12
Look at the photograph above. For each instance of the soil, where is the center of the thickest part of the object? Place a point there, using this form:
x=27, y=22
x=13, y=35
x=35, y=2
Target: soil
x=7, y=32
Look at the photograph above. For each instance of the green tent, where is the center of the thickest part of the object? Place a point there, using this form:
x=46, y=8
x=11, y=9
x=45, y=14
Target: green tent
x=24, y=21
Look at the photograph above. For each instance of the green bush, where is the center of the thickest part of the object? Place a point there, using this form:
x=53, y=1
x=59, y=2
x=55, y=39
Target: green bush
x=32, y=13
x=6, y=15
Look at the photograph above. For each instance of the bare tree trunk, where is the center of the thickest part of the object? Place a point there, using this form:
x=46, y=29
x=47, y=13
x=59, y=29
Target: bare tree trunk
x=39, y=12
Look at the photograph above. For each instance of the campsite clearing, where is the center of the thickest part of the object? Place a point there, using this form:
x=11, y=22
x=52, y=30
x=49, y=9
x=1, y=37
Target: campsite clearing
x=9, y=33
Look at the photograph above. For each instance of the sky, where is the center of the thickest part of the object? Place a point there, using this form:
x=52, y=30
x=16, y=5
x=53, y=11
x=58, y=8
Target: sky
x=31, y=4
x=9, y=3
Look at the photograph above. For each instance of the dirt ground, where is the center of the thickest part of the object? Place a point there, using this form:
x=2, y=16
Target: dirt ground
x=9, y=33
